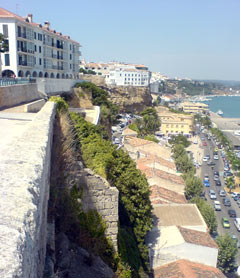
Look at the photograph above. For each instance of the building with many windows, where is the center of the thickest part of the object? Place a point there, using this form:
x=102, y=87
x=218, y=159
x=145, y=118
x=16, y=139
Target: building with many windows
x=194, y=107
x=120, y=74
x=36, y=50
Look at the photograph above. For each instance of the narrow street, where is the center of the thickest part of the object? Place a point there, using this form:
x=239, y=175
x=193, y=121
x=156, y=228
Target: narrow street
x=207, y=170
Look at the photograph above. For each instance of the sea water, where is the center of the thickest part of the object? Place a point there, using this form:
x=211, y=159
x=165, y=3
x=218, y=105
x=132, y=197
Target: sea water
x=230, y=105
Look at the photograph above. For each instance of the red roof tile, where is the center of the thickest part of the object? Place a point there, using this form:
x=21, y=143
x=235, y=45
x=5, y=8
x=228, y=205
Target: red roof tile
x=187, y=269
x=197, y=237
x=166, y=195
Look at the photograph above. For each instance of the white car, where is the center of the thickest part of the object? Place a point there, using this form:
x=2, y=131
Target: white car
x=205, y=159
x=212, y=194
x=217, y=205
x=215, y=157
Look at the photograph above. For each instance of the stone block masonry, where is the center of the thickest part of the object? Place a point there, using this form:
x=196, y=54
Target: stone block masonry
x=24, y=193
x=99, y=195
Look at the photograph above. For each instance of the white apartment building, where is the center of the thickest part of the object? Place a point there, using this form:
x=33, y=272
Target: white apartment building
x=35, y=50
x=120, y=74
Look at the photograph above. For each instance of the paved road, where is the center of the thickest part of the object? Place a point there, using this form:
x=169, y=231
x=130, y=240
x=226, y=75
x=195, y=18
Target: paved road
x=224, y=212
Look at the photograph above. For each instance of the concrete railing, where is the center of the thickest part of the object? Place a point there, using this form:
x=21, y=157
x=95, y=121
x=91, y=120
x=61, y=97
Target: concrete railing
x=24, y=193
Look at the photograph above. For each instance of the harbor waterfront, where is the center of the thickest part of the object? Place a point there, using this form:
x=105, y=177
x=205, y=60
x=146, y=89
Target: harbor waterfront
x=229, y=105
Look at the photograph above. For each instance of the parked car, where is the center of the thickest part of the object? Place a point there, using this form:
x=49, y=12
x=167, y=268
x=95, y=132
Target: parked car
x=212, y=194
x=227, y=174
x=218, y=183
x=217, y=205
x=203, y=195
x=237, y=223
x=235, y=239
x=204, y=144
x=222, y=193
x=232, y=213
x=226, y=202
x=225, y=223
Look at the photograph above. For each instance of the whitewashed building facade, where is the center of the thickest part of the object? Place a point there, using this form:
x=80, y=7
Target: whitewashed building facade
x=35, y=50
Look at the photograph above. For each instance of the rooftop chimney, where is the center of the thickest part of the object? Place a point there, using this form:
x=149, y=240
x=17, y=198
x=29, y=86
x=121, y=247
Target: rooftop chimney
x=29, y=17
x=47, y=24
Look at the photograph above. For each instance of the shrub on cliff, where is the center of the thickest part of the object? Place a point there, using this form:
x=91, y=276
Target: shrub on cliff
x=120, y=170
x=62, y=106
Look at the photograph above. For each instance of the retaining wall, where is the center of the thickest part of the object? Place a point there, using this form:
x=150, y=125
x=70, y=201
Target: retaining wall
x=55, y=86
x=24, y=193
x=17, y=94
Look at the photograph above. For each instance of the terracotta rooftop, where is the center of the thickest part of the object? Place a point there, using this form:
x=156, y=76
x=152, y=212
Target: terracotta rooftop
x=129, y=131
x=151, y=172
x=135, y=142
x=6, y=14
x=162, y=195
x=197, y=237
x=179, y=215
x=187, y=269
x=157, y=159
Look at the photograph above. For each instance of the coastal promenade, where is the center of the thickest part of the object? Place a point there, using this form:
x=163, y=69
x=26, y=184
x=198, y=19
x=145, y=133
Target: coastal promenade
x=227, y=126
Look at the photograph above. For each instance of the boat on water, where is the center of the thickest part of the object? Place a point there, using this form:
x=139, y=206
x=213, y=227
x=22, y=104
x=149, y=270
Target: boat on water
x=219, y=112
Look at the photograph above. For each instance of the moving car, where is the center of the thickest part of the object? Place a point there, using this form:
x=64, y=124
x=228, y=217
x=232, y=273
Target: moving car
x=218, y=183
x=204, y=144
x=215, y=157
x=206, y=183
x=222, y=193
x=232, y=213
x=205, y=159
x=212, y=194
x=217, y=205
x=211, y=163
x=226, y=202
x=225, y=223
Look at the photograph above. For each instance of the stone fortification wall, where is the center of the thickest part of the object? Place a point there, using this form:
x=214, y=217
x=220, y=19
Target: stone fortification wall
x=17, y=94
x=24, y=191
x=100, y=196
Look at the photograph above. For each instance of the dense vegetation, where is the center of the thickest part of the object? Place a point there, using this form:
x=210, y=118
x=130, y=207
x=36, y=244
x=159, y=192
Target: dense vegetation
x=227, y=253
x=120, y=170
x=100, y=98
x=147, y=125
x=195, y=87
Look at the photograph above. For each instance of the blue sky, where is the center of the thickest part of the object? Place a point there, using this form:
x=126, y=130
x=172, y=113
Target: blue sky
x=186, y=38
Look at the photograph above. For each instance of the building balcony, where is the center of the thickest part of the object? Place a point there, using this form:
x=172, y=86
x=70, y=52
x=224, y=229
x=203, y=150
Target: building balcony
x=57, y=67
x=23, y=63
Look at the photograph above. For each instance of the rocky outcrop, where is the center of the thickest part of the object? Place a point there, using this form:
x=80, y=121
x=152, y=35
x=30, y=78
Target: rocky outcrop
x=96, y=79
x=132, y=99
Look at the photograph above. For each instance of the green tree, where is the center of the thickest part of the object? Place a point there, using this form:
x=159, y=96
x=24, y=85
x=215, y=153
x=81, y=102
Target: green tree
x=4, y=47
x=207, y=212
x=193, y=187
x=230, y=183
x=178, y=150
x=150, y=122
x=184, y=164
x=179, y=139
x=227, y=253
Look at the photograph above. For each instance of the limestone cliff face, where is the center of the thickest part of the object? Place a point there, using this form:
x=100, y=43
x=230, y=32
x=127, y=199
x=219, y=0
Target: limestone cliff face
x=132, y=99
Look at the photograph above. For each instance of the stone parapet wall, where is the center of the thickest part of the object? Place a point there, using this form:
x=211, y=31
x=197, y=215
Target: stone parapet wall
x=18, y=94
x=24, y=191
